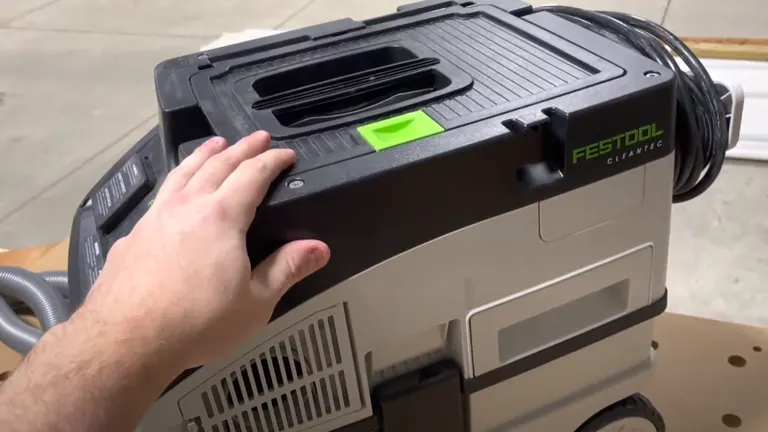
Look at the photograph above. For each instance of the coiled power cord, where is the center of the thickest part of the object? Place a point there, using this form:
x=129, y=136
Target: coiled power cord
x=702, y=127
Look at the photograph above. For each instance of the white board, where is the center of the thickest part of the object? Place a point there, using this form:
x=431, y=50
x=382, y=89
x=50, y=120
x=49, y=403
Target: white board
x=752, y=76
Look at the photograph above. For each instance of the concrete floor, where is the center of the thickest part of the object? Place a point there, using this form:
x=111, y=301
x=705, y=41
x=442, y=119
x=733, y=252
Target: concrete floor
x=76, y=91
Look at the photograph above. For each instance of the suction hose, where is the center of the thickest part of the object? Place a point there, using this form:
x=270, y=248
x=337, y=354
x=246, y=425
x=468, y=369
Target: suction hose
x=15, y=333
x=58, y=280
x=36, y=291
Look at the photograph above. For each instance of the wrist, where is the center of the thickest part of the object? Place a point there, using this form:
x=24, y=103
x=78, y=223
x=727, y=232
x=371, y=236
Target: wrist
x=123, y=345
x=107, y=378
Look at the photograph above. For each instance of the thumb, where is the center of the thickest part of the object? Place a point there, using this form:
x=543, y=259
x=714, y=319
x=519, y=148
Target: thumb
x=287, y=266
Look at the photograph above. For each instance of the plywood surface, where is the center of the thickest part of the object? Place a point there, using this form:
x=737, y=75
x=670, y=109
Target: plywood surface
x=729, y=48
x=43, y=258
x=710, y=371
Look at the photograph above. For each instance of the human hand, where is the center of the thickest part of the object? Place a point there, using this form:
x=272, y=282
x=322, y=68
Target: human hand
x=180, y=284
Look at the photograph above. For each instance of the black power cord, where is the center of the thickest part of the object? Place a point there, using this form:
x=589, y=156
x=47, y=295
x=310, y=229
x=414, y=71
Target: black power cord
x=701, y=138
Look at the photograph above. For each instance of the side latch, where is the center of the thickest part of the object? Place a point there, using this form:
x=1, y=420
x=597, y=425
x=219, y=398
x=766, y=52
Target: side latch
x=203, y=62
x=544, y=126
x=514, y=7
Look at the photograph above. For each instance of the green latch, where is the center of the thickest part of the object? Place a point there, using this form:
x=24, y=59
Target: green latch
x=399, y=130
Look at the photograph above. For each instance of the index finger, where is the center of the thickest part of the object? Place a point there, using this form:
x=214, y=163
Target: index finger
x=245, y=188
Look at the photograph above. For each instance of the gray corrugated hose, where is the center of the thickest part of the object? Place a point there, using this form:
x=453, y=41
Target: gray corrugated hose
x=15, y=333
x=46, y=302
x=58, y=280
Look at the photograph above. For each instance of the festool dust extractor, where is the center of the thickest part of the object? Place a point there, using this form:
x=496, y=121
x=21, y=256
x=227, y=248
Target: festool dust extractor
x=495, y=182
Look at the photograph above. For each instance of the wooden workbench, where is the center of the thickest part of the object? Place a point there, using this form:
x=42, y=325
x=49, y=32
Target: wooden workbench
x=729, y=48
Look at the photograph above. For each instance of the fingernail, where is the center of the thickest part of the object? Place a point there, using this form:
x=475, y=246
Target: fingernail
x=317, y=258
x=215, y=141
x=292, y=153
x=261, y=133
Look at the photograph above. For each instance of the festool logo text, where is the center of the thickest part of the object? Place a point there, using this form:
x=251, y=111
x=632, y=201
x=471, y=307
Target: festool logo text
x=622, y=146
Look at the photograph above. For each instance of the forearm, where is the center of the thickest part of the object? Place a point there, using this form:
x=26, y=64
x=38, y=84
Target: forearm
x=84, y=378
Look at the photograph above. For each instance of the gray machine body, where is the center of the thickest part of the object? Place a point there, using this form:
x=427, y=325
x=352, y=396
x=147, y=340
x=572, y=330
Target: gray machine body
x=484, y=296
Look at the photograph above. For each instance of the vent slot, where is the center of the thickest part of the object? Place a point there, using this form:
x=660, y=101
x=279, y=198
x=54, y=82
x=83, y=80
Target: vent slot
x=334, y=340
x=377, y=94
x=217, y=398
x=300, y=378
x=331, y=69
x=344, y=83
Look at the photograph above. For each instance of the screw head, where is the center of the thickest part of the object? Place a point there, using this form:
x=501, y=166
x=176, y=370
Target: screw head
x=295, y=183
x=652, y=74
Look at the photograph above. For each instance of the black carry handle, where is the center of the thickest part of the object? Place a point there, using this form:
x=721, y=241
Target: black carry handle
x=339, y=86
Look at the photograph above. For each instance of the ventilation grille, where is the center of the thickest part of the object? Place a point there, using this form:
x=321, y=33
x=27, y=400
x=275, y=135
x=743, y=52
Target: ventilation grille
x=303, y=377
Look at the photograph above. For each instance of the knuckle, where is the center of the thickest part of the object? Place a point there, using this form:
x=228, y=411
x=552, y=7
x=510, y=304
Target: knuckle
x=178, y=174
x=177, y=199
x=259, y=166
x=293, y=270
x=223, y=162
x=217, y=211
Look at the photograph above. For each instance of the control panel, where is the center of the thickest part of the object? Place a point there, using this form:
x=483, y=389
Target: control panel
x=112, y=208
